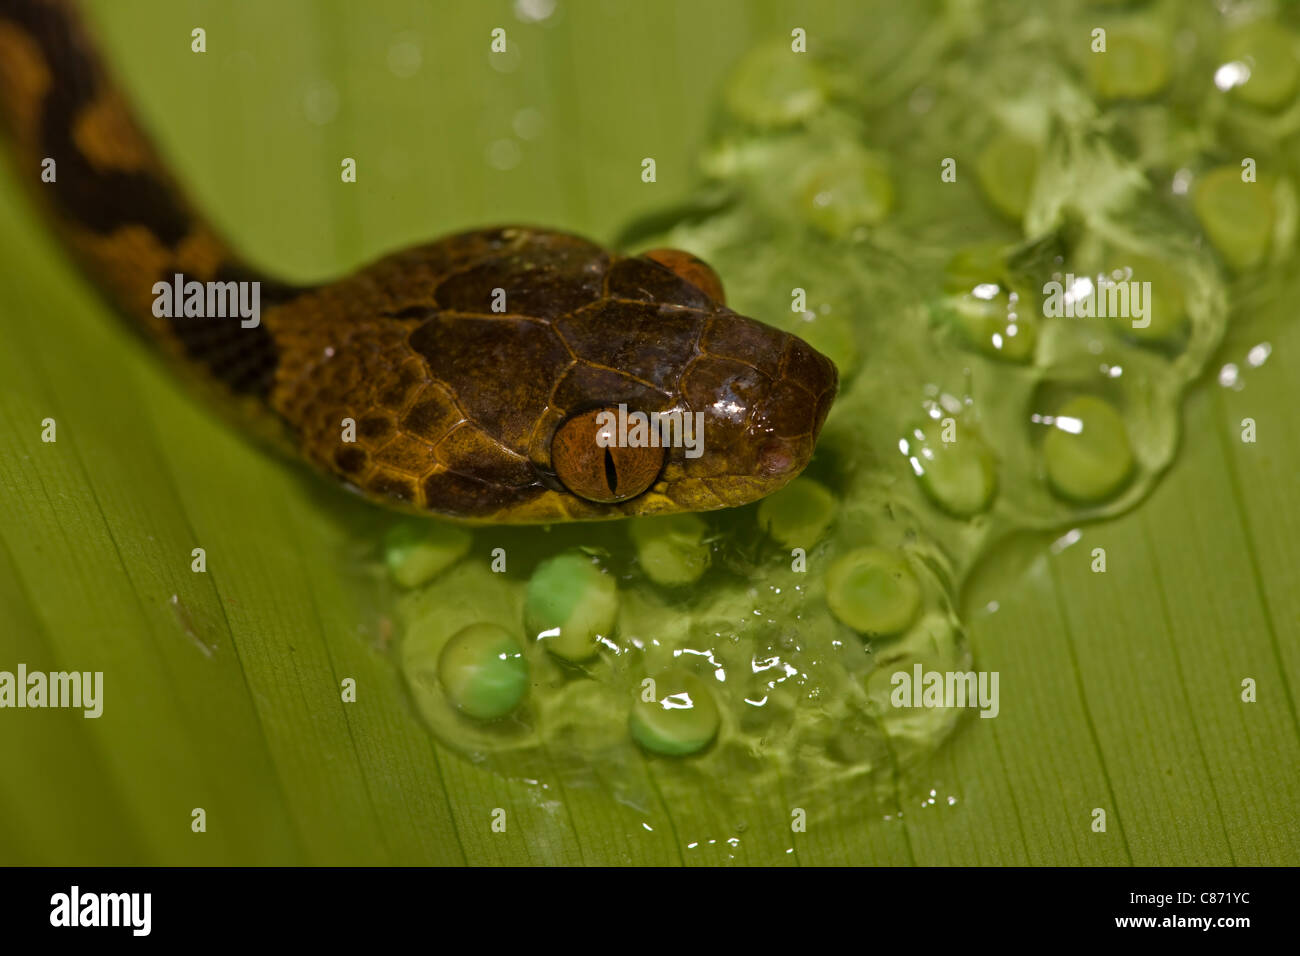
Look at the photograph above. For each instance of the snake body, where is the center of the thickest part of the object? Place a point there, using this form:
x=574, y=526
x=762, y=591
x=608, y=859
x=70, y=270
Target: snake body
x=457, y=378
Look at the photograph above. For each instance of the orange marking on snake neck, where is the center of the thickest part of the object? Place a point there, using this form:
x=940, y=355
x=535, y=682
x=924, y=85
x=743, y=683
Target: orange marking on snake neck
x=106, y=136
x=128, y=261
x=200, y=255
x=24, y=80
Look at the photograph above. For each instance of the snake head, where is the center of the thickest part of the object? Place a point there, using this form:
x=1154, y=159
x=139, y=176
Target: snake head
x=734, y=412
x=604, y=386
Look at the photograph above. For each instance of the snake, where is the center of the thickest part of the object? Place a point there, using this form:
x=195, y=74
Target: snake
x=472, y=378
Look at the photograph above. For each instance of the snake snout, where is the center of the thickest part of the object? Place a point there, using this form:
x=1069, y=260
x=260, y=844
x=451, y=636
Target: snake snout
x=762, y=396
x=818, y=376
x=788, y=418
x=796, y=405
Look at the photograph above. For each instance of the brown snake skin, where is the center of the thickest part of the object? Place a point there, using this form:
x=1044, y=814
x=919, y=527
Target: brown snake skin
x=454, y=406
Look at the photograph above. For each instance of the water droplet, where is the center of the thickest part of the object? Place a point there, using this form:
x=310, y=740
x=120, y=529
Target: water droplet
x=529, y=123
x=503, y=154
x=320, y=103
x=404, y=55
x=533, y=11
x=1231, y=74
x=507, y=61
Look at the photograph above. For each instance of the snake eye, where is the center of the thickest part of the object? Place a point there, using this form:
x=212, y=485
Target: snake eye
x=593, y=463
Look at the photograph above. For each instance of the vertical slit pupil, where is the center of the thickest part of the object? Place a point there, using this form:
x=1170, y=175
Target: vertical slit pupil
x=611, y=473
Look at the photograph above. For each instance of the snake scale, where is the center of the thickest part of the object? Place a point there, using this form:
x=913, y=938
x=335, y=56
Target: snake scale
x=407, y=381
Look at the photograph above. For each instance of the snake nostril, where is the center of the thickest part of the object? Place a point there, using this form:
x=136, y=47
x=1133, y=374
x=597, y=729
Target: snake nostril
x=776, y=457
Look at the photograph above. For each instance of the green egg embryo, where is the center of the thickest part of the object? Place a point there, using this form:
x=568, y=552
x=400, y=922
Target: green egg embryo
x=1087, y=450
x=873, y=591
x=680, y=716
x=483, y=671
x=570, y=605
x=959, y=475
